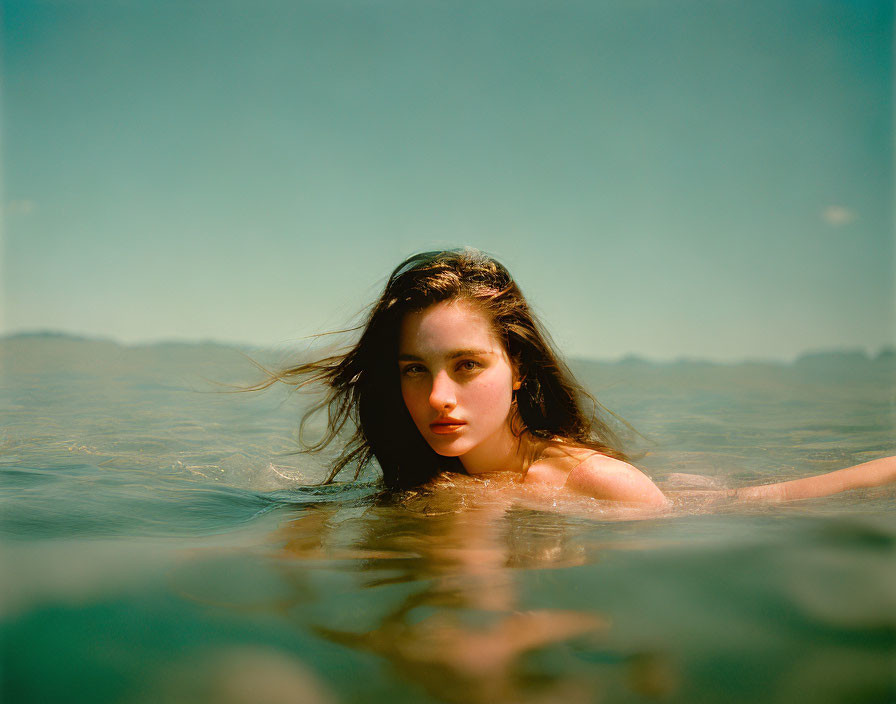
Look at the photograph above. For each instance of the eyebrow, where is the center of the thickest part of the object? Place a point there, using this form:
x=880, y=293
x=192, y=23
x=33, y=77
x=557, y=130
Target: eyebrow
x=451, y=355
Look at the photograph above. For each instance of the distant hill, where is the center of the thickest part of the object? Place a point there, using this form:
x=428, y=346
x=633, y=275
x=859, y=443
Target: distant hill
x=35, y=348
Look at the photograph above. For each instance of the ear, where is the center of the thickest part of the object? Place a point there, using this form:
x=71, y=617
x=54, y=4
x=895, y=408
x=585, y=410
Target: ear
x=517, y=384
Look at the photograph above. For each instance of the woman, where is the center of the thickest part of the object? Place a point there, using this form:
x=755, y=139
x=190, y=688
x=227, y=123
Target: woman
x=454, y=373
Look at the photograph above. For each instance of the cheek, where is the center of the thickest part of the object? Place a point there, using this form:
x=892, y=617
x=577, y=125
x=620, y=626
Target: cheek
x=492, y=397
x=413, y=398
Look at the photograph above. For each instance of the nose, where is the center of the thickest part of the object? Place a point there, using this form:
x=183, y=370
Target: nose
x=442, y=396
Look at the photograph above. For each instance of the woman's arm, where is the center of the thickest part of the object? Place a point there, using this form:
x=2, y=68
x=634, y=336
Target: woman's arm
x=861, y=476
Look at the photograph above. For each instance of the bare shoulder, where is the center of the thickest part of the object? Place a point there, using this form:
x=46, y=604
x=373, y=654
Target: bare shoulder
x=555, y=465
x=614, y=480
x=585, y=471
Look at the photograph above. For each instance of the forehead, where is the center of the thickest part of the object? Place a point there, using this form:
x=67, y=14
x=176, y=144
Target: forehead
x=448, y=326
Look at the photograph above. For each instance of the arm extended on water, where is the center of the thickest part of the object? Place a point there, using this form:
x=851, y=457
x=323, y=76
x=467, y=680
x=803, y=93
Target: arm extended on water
x=861, y=476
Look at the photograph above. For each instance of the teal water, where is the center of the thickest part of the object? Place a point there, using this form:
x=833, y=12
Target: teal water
x=161, y=545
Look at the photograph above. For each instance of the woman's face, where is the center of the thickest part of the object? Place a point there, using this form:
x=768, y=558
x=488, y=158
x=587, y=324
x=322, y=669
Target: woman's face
x=456, y=379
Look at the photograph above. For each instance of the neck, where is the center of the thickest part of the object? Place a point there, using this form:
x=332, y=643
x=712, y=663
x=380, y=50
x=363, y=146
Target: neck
x=506, y=453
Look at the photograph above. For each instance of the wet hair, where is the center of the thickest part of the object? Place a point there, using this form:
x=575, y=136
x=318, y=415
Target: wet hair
x=363, y=384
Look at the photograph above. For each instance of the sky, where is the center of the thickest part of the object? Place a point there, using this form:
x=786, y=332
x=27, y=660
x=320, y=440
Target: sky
x=699, y=178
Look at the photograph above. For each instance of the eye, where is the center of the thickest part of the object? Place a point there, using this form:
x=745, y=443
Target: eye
x=413, y=370
x=468, y=365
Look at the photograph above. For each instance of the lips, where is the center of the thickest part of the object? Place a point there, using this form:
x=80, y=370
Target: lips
x=446, y=426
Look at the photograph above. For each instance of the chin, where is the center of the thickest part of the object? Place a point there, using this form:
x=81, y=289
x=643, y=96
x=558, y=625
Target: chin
x=448, y=449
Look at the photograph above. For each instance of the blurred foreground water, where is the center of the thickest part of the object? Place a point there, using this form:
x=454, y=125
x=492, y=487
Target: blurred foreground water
x=161, y=545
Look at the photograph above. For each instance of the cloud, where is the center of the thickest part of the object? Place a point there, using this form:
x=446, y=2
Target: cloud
x=837, y=215
x=20, y=207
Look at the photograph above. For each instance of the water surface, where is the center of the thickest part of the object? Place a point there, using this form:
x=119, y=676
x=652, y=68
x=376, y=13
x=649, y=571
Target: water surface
x=160, y=544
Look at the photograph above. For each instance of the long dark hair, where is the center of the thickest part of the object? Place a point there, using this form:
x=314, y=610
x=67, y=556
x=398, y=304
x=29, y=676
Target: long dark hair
x=364, y=387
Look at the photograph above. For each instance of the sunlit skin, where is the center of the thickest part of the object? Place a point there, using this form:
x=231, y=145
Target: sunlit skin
x=457, y=382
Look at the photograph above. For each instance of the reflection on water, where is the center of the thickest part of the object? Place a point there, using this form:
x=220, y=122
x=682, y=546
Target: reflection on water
x=462, y=635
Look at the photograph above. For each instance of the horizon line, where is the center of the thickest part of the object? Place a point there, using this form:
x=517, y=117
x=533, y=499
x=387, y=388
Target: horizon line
x=884, y=350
